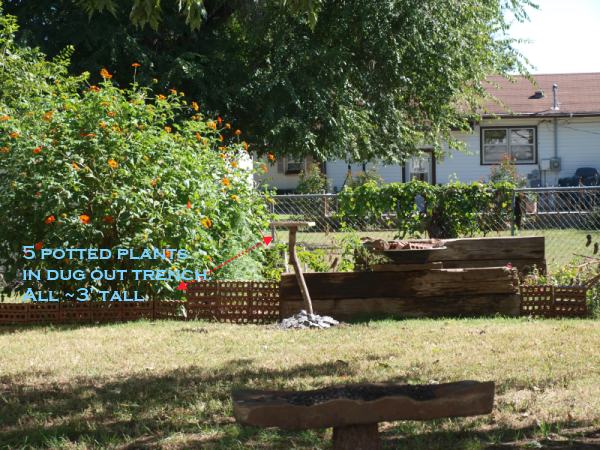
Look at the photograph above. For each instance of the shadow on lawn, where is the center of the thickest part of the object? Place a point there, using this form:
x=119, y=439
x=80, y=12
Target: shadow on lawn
x=187, y=408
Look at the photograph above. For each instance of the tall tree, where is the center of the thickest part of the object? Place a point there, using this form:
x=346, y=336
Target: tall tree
x=331, y=78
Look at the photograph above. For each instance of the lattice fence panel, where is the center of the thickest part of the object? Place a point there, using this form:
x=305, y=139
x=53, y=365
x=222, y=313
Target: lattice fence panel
x=554, y=301
x=248, y=302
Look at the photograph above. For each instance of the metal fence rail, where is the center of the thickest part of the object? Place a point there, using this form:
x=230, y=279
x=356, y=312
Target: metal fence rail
x=564, y=216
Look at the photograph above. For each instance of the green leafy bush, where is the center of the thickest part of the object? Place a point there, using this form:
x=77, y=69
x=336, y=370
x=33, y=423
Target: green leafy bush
x=102, y=166
x=451, y=210
x=313, y=181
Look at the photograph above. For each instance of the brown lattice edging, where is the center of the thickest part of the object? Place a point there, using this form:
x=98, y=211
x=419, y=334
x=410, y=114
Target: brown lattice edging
x=234, y=301
x=225, y=301
x=554, y=301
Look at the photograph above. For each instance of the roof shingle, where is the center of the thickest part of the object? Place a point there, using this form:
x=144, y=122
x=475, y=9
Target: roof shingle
x=578, y=94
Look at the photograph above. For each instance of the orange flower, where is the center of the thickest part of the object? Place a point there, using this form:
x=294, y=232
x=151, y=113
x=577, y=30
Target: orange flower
x=168, y=254
x=38, y=246
x=94, y=88
x=49, y=220
x=48, y=116
x=245, y=144
x=238, y=132
x=84, y=218
x=195, y=106
x=264, y=168
x=211, y=124
x=135, y=65
x=161, y=97
x=111, y=114
x=222, y=155
x=189, y=205
x=105, y=74
x=168, y=129
x=4, y=118
x=222, y=148
x=235, y=198
x=206, y=222
x=221, y=137
x=198, y=137
x=15, y=134
x=173, y=91
x=4, y=149
x=271, y=157
x=227, y=126
x=113, y=164
x=37, y=150
x=154, y=182
x=219, y=120
x=75, y=166
x=225, y=182
x=88, y=135
x=102, y=124
x=234, y=164
x=116, y=128
x=108, y=219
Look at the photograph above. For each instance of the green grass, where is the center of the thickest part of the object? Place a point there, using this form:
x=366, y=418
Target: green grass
x=168, y=384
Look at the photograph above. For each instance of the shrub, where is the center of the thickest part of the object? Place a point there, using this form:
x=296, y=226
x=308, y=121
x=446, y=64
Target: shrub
x=313, y=182
x=100, y=166
x=447, y=211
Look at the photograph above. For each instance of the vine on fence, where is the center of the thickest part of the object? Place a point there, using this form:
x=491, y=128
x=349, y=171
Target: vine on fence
x=445, y=211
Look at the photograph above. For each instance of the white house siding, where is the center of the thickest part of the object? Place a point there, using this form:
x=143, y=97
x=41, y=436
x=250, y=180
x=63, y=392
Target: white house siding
x=578, y=146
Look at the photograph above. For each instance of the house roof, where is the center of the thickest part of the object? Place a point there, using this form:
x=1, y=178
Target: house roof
x=578, y=94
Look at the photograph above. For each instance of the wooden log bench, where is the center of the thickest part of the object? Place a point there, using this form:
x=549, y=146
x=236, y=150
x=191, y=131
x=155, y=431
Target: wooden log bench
x=354, y=411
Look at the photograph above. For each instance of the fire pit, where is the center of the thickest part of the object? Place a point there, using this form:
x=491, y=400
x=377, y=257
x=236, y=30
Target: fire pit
x=355, y=410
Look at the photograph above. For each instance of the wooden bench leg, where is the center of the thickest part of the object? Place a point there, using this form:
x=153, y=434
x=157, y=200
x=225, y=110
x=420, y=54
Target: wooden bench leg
x=356, y=437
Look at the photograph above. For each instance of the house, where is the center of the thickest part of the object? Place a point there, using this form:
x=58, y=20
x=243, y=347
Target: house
x=550, y=129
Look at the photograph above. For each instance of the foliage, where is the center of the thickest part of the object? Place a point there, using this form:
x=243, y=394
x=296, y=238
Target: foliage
x=312, y=182
x=273, y=264
x=354, y=256
x=370, y=175
x=315, y=260
x=445, y=211
x=100, y=166
x=506, y=171
x=367, y=79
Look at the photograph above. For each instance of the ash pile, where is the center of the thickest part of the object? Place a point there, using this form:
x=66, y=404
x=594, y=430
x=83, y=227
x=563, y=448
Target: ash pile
x=304, y=320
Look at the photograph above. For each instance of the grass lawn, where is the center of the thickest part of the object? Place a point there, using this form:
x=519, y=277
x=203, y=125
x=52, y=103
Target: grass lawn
x=167, y=384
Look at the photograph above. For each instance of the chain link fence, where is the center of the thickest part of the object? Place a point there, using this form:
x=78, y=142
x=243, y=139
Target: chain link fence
x=569, y=219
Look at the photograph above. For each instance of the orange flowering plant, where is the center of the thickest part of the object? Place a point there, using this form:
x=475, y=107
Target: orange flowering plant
x=113, y=167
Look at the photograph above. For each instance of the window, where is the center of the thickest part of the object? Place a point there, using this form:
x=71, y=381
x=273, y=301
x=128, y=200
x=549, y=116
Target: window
x=517, y=142
x=293, y=165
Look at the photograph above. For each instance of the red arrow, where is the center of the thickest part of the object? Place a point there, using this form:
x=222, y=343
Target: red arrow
x=266, y=240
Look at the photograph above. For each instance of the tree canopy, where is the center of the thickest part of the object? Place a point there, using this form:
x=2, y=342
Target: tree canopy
x=356, y=79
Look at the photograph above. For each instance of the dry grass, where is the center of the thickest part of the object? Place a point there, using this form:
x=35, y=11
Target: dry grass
x=168, y=384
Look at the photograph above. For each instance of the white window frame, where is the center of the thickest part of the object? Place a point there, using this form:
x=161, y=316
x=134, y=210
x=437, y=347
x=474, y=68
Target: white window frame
x=508, y=130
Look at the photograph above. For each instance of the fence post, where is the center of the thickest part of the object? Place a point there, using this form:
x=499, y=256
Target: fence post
x=512, y=214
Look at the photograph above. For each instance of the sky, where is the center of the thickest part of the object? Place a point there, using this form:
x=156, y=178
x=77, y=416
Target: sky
x=564, y=35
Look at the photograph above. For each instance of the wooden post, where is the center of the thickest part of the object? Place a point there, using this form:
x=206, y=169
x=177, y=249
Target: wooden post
x=298, y=270
x=293, y=228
